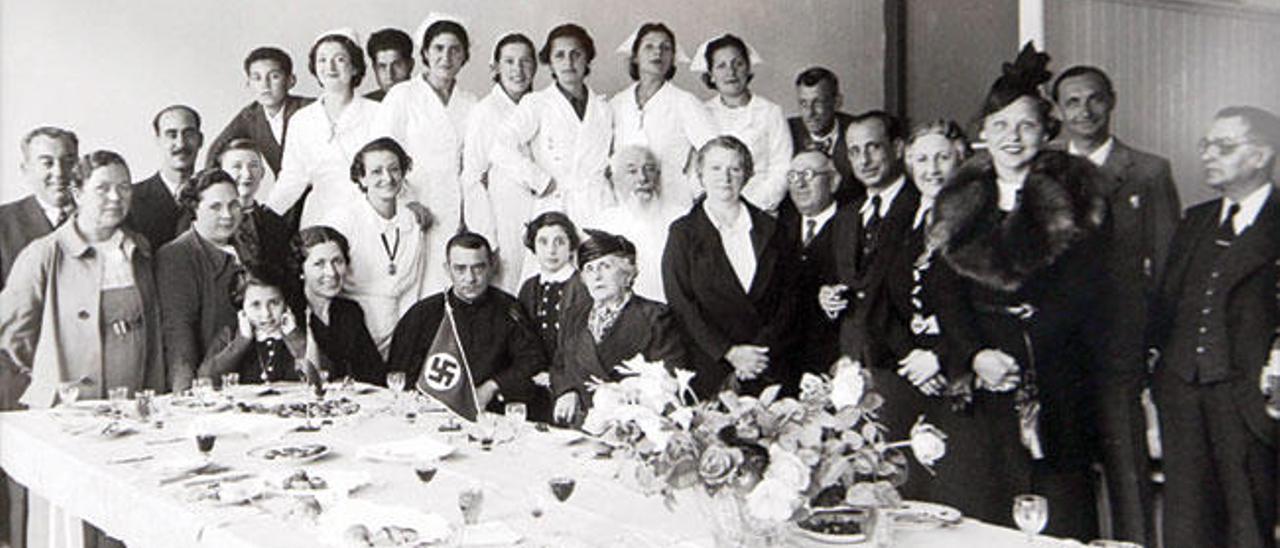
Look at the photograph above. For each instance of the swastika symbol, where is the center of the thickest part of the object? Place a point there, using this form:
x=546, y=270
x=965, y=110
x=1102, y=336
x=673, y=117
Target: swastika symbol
x=443, y=372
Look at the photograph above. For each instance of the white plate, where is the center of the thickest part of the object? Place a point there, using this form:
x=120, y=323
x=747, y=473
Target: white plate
x=421, y=448
x=282, y=452
x=917, y=515
x=337, y=482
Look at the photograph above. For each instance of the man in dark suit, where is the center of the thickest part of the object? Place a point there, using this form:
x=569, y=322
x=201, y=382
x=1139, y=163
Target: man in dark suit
x=155, y=212
x=812, y=183
x=499, y=342
x=49, y=156
x=391, y=56
x=821, y=126
x=1212, y=326
x=1144, y=211
x=269, y=73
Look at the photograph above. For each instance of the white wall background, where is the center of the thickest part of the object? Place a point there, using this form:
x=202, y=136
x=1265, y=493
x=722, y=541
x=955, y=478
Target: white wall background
x=104, y=67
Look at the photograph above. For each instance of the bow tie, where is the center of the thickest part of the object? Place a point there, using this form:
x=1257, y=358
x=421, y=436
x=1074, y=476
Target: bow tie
x=823, y=145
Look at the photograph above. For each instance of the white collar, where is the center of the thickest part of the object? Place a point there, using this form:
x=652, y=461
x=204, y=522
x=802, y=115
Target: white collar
x=832, y=134
x=52, y=211
x=926, y=204
x=560, y=276
x=743, y=222
x=820, y=220
x=279, y=115
x=1099, y=155
x=1249, y=207
x=173, y=186
x=886, y=194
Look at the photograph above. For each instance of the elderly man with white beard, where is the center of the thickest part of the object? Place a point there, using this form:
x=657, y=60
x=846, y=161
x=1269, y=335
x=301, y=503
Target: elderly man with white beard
x=640, y=215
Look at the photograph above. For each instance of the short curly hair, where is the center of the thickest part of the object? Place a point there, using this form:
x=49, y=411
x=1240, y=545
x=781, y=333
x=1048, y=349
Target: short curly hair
x=189, y=198
x=381, y=144
x=550, y=218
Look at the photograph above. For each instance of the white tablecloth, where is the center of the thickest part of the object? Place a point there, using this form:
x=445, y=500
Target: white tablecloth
x=126, y=501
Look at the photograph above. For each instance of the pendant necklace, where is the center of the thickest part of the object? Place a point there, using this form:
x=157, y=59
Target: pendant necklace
x=392, y=251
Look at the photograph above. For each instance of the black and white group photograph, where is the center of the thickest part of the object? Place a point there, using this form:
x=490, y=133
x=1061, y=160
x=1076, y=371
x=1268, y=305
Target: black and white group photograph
x=639, y=273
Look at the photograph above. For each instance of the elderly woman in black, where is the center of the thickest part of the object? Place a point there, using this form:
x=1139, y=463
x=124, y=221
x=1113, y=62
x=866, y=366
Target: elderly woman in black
x=616, y=326
x=1022, y=229
x=728, y=274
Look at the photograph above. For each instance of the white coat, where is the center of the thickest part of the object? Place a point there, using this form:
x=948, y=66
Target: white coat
x=432, y=133
x=497, y=202
x=319, y=155
x=672, y=124
x=762, y=127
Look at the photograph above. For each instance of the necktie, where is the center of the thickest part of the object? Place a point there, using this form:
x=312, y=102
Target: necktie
x=869, y=233
x=1227, y=230
x=810, y=226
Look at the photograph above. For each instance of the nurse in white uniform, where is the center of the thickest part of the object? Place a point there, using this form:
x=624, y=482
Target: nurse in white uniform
x=428, y=115
x=726, y=66
x=656, y=114
x=495, y=199
x=325, y=135
x=567, y=129
x=389, y=254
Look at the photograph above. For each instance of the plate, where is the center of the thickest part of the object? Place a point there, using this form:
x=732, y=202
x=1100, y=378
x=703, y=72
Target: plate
x=194, y=404
x=418, y=449
x=301, y=482
x=850, y=519
x=289, y=453
x=915, y=514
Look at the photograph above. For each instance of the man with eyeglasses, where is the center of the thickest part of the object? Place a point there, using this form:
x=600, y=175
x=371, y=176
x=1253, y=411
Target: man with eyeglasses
x=1212, y=326
x=1144, y=211
x=812, y=184
x=821, y=126
x=866, y=234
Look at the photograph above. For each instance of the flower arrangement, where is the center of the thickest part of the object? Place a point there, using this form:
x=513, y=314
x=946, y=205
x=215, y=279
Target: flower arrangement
x=776, y=455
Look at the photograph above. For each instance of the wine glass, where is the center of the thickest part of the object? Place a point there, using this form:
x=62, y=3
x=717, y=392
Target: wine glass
x=516, y=413
x=118, y=396
x=395, y=381
x=1031, y=513
x=561, y=488
x=201, y=388
x=426, y=470
x=470, y=501
x=68, y=393
x=230, y=381
x=204, y=443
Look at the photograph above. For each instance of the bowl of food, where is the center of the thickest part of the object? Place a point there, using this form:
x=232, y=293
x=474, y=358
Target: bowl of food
x=289, y=453
x=837, y=525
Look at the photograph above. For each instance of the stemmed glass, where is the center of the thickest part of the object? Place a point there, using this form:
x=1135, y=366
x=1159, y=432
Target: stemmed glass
x=561, y=488
x=395, y=381
x=202, y=387
x=516, y=414
x=204, y=443
x=1031, y=513
x=68, y=393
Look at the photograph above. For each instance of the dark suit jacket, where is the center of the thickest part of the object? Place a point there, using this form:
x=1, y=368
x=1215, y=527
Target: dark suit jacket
x=851, y=188
x=1145, y=210
x=155, y=212
x=714, y=309
x=195, y=282
x=1250, y=272
x=20, y=222
x=497, y=338
x=251, y=123
x=643, y=327
x=816, y=346
x=346, y=344
x=375, y=95
x=867, y=310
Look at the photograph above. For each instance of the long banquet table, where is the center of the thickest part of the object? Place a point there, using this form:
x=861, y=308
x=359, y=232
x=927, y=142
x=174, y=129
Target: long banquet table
x=79, y=474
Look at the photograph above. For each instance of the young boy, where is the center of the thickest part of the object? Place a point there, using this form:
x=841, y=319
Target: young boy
x=391, y=56
x=269, y=77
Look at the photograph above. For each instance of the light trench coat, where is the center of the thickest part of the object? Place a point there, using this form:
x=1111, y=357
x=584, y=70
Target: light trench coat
x=50, y=315
x=432, y=133
x=573, y=152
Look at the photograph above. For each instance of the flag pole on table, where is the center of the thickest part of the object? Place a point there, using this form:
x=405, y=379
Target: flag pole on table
x=446, y=374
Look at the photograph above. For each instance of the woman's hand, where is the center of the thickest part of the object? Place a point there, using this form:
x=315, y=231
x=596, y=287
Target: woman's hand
x=997, y=371
x=422, y=215
x=244, y=326
x=288, y=323
x=748, y=360
x=566, y=408
x=921, y=368
x=831, y=300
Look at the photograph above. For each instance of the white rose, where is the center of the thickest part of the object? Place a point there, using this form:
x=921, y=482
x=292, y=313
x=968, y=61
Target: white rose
x=788, y=468
x=848, y=384
x=772, y=501
x=928, y=443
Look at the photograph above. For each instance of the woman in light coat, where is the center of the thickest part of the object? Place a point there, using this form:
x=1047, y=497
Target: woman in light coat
x=567, y=128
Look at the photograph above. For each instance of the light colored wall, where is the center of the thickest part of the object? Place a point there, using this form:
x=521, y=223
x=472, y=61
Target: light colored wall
x=954, y=51
x=104, y=67
x=1174, y=64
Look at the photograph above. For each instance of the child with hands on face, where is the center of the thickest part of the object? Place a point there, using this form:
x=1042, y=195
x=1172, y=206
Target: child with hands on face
x=266, y=345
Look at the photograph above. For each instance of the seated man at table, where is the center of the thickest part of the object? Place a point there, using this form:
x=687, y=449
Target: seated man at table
x=497, y=339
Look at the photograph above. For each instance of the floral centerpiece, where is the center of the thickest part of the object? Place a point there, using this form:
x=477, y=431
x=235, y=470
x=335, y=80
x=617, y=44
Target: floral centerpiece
x=762, y=461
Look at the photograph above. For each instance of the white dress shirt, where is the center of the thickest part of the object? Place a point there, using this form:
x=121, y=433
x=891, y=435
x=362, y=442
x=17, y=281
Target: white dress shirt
x=1249, y=208
x=761, y=125
x=887, y=195
x=1099, y=155
x=819, y=220
x=275, y=122
x=736, y=239
x=671, y=124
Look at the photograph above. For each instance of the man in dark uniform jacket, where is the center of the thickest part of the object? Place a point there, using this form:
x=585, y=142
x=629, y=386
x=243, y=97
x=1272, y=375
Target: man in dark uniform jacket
x=821, y=126
x=1212, y=326
x=265, y=121
x=812, y=183
x=391, y=56
x=867, y=235
x=49, y=158
x=499, y=343
x=1144, y=211
x=155, y=212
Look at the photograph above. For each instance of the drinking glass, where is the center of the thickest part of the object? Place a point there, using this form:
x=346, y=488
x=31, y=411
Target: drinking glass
x=516, y=413
x=118, y=396
x=1031, y=513
x=230, y=381
x=204, y=443
x=426, y=470
x=395, y=381
x=201, y=388
x=470, y=501
x=68, y=392
x=146, y=404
